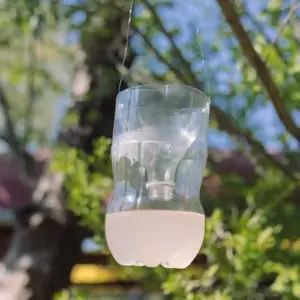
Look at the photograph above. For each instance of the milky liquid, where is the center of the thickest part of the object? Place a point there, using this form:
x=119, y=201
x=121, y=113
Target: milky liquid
x=155, y=237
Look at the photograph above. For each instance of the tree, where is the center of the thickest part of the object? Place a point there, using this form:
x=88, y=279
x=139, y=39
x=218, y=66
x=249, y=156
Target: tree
x=47, y=239
x=251, y=240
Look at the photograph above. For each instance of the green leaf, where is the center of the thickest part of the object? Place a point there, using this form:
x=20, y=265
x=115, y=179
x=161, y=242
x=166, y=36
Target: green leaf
x=266, y=239
x=296, y=290
x=212, y=271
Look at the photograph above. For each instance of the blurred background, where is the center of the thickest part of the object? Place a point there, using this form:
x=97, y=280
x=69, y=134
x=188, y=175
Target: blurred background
x=60, y=67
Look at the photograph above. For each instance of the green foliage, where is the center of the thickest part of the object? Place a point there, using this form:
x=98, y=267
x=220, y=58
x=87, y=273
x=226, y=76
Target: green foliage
x=88, y=180
x=73, y=294
x=238, y=259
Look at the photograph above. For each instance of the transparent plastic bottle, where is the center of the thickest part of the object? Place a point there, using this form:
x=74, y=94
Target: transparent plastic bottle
x=159, y=153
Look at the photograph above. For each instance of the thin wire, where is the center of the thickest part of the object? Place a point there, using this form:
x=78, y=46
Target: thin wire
x=200, y=49
x=201, y=53
x=207, y=83
x=127, y=44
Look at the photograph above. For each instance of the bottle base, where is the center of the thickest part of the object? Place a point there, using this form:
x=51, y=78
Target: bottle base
x=151, y=238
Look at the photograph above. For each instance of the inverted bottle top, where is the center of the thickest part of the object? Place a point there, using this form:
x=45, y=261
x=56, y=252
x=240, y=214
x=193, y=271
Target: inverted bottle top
x=170, y=97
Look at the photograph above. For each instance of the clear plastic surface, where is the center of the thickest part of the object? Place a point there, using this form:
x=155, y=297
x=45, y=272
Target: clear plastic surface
x=159, y=152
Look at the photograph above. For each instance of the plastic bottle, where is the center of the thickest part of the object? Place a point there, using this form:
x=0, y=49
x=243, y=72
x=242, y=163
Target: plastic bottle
x=159, y=153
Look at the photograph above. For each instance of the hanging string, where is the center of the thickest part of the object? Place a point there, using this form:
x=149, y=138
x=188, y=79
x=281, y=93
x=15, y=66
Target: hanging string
x=198, y=44
x=127, y=44
x=206, y=78
x=201, y=53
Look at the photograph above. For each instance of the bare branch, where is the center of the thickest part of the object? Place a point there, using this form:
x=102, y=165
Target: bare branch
x=262, y=71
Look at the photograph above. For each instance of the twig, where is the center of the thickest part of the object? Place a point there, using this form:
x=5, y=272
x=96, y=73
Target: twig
x=295, y=39
x=229, y=125
x=163, y=29
x=260, y=28
x=263, y=73
x=266, y=50
x=284, y=23
x=159, y=56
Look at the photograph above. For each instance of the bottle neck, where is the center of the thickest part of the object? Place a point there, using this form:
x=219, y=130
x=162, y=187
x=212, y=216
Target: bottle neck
x=160, y=190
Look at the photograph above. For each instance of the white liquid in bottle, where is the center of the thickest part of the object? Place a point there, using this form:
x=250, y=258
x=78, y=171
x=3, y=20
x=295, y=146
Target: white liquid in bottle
x=155, y=237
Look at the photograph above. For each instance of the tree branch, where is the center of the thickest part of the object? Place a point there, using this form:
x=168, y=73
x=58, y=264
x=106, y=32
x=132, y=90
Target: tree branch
x=4, y=138
x=260, y=28
x=159, y=56
x=225, y=122
x=229, y=125
x=263, y=73
x=30, y=90
x=285, y=22
x=11, y=136
x=185, y=63
x=295, y=38
x=11, y=139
